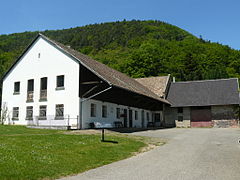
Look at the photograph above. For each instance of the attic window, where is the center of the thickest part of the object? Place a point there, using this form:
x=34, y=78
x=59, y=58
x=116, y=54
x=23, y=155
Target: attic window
x=16, y=88
x=60, y=82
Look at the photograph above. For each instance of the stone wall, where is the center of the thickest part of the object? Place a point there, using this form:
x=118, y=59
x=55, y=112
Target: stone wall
x=171, y=117
x=225, y=116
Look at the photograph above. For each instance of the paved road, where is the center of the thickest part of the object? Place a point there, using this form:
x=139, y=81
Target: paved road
x=190, y=154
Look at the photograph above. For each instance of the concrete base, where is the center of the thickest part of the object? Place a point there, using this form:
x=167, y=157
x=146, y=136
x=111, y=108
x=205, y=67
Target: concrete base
x=51, y=127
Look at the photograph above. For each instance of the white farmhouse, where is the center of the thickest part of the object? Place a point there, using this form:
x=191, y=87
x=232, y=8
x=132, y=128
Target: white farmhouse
x=52, y=85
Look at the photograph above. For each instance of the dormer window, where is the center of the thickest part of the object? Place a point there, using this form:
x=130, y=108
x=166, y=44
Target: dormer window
x=16, y=88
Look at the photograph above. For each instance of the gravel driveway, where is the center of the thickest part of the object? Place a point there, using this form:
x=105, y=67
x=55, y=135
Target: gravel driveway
x=192, y=154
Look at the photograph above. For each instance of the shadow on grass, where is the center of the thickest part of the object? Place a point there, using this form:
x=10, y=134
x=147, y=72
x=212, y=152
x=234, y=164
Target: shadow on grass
x=110, y=141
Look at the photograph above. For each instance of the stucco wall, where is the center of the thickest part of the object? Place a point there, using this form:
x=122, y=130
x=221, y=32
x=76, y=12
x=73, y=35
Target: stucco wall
x=50, y=64
x=44, y=60
x=111, y=114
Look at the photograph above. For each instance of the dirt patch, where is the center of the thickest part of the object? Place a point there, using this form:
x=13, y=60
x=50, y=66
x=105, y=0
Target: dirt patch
x=151, y=142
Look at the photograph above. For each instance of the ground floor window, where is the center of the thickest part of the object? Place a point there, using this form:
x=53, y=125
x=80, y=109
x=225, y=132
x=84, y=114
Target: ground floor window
x=104, y=111
x=59, y=111
x=15, y=113
x=180, y=118
x=180, y=110
x=136, y=115
x=148, y=118
x=118, y=113
x=43, y=112
x=29, y=113
x=93, y=110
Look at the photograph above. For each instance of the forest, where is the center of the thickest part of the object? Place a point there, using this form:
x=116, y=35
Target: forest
x=138, y=49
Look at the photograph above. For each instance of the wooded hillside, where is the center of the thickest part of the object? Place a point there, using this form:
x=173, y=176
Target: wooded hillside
x=137, y=48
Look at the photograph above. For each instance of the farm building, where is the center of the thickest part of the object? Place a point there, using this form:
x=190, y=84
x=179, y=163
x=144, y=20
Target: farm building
x=53, y=86
x=204, y=103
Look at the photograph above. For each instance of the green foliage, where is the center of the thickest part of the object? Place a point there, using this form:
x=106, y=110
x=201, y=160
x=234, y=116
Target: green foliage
x=139, y=49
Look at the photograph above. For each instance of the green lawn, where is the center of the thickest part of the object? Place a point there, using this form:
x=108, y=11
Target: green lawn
x=48, y=154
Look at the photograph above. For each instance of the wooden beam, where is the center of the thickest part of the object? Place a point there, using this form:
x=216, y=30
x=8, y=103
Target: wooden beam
x=91, y=82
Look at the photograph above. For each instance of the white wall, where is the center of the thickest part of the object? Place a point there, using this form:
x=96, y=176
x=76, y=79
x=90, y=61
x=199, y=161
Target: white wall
x=51, y=63
x=111, y=114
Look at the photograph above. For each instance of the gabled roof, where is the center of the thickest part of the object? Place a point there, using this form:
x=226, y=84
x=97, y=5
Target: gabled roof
x=111, y=76
x=157, y=85
x=204, y=93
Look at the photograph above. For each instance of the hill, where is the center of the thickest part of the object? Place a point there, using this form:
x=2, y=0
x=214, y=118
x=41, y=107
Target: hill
x=137, y=48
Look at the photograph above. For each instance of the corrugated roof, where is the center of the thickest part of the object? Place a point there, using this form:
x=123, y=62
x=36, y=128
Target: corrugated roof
x=155, y=84
x=204, y=93
x=106, y=73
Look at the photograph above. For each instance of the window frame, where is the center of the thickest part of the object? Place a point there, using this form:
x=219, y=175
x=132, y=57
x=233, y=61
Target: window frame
x=93, y=110
x=29, y=108
x=40, y=117
x=15, y=112
x=14, y=88
x=180, y=118
x=118, y=113
x=180, y=110
x=62, y=83
x=59, y=108
x=104, y=111
x=147, y=116
x=136, y=115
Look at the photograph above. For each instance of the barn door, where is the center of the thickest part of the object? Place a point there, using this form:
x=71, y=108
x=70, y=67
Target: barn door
x=201, y=116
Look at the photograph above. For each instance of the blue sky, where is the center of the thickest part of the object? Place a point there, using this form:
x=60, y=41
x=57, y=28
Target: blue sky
x=215, y=20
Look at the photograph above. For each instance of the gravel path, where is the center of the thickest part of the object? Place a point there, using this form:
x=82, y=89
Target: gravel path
x=197, y=154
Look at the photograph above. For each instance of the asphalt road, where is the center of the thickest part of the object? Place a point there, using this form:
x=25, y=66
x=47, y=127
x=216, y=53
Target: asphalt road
x=190, y=154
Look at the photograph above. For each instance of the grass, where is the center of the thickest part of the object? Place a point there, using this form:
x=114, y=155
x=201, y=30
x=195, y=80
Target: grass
x=49, y=154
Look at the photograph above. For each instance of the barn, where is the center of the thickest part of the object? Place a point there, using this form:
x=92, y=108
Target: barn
x=207, y=103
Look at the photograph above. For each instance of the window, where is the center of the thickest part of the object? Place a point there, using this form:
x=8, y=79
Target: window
x=30, y=89
x=148, y=116
x=180, y=110
x=60, y=81
x=104, y=111
x=59, y=111
x=16, y=88
x=118, y=113
x=43, y=112
x=15, y=113
x=93, y=110
x=43, y=89
x=136, y=115
x=30, y=85
x=29, y=113
x=180, y=118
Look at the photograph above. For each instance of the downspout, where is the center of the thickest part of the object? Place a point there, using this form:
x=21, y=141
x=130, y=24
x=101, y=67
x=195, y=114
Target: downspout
x=81, y=107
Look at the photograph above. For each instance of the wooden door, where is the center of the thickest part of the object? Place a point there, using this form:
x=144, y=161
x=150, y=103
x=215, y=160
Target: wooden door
x=201, y=116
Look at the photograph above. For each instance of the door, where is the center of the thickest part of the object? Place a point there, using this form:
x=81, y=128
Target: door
x=143, y=119
x=130, y=118
x=125, y=118
x=157, y=119
x=201, y=116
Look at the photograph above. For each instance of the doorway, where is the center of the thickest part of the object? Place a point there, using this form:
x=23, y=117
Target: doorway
x=130, y=118
x=157, y=119
x=143, y=119
x=125, y=118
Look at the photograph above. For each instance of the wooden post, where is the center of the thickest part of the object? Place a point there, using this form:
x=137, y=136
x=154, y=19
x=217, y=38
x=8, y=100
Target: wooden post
x=102, y=135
